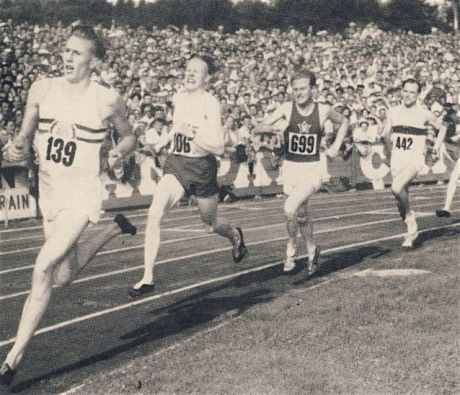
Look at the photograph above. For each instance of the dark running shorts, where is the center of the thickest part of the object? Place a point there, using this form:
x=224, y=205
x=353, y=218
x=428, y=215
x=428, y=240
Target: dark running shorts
x=198, y=176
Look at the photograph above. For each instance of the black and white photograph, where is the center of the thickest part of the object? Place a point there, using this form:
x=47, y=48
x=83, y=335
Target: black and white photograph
x=229, y=197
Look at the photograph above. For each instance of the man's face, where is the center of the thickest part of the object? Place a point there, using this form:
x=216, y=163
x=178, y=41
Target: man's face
x=147, y=111
x=196, y=74
x=158, y=126
x=77, y=56
x=17, y=102
x=25, y=83
x=159, y=113
x=301, y=90
x=409, y=94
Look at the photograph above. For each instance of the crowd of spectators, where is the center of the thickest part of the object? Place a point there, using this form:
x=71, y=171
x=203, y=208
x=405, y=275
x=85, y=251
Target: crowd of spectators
x=359, y=72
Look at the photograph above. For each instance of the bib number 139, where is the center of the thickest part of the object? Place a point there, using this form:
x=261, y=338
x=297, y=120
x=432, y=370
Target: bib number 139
x=60, y=152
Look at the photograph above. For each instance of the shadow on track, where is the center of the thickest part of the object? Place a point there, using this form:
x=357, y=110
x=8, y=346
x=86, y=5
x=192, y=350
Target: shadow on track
x=193, y=314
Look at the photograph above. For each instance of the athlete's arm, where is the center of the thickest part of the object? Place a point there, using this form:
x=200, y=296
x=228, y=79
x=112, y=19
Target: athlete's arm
x=128, y=140
x=16, y=150
x=343, y=122
x=442, y=130
x=266, y=126
x=387, y=130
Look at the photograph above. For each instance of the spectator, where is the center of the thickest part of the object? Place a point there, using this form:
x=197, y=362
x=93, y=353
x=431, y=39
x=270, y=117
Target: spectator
x=361, y=70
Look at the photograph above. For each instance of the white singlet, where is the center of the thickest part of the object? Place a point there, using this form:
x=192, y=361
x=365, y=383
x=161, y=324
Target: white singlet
x=408, y=137
x=202, y=111
x=67, y=143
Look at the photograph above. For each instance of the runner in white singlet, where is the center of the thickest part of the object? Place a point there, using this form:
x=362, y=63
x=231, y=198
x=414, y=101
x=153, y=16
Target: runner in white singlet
x=67, y=119
x=191, y=168
x=406, y=129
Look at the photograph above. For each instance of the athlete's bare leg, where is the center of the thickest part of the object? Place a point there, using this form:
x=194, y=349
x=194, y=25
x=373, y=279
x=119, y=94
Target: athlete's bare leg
x=452, y=186
x=207, y=208
x=306, y=228
x=296, y=213
x=296, y=199
x=66, y=233
x=82, y=253
x=208, y=212
x=168, y=193
x=400, y=189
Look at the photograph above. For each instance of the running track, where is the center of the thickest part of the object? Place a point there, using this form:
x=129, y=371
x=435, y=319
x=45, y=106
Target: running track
x=93, y=325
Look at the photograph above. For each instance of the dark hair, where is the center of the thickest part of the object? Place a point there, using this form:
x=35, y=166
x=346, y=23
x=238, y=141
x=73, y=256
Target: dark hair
x=87, y=33
x=300, y=74
x=412, y=81
x=209, y=60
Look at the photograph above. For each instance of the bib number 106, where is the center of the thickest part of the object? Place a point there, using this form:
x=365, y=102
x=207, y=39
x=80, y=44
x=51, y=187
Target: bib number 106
x=60, y=152
x=181, y=144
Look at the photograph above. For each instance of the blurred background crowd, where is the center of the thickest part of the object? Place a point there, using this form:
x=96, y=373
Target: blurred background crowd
x=359, y=72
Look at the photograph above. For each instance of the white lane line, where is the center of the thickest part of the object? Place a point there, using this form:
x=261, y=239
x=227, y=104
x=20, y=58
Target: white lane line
x=202, y=253
x=390, y=200
x=316, y=199
x=208, y=282
x=179, y=230
x=186, y=227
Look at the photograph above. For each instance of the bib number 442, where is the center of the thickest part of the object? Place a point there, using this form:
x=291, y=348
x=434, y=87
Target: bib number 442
x=404, y=143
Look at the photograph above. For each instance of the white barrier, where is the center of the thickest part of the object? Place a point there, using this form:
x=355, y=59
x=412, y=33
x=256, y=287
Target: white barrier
x=16, y=203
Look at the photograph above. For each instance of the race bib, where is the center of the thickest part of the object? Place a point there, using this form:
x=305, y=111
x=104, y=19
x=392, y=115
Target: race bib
x=302, y=144
x=60, y=151
x=404, y=143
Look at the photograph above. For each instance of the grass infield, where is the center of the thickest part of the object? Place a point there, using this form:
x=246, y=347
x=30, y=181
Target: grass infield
x=364, y=329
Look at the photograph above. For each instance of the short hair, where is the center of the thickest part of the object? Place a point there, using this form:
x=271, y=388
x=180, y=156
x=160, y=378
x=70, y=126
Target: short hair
x=87, y=33
x=300, y=74
x=209, y=60
x=412, y=81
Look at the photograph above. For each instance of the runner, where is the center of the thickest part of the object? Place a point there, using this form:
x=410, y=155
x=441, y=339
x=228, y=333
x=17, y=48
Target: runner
x=305, y=166
x=191, y=168
x=406, y=129
x=453, y=148
x=72, y=114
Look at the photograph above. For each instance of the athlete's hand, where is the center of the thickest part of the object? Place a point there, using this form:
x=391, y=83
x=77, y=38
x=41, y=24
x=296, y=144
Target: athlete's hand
x=16, y=150
x=262, y=128
x=332, y=152
x=188, y=131
x=115, y=158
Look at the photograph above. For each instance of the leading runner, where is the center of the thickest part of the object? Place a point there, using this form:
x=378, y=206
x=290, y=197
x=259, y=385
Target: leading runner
x=67, y=119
